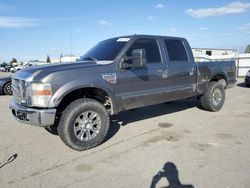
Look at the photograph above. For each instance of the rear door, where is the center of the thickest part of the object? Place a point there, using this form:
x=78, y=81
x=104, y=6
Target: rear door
x=181, y=69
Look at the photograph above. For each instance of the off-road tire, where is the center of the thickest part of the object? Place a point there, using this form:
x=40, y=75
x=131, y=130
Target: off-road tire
x=207, y=99
x=7, y=89
x=71, y=113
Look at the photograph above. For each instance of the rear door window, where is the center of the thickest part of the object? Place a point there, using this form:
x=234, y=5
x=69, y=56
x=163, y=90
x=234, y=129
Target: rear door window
x=176, y=50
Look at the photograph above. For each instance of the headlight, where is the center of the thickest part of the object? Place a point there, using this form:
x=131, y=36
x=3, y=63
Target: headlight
x=248, y=73
x=39, y=94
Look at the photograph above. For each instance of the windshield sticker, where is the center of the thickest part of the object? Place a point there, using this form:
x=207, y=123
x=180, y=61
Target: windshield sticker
x=109, y=77
x=123, y=40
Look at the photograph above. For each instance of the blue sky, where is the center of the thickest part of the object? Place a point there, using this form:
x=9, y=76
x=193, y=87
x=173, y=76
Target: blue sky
x=32, y=29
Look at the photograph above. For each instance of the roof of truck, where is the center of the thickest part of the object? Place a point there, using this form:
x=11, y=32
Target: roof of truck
x=148, y=36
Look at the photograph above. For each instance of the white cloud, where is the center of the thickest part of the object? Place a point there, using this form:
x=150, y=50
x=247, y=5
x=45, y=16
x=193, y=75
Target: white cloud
x=203, y=29
x=104, y=23
x=231, y=8
x=150, y=17
x=244, y=27
x=16, y=22
x=159, y=5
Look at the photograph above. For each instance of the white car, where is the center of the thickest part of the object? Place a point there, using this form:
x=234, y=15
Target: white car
x=17, y=68
x=12, y=69
x=35, y=63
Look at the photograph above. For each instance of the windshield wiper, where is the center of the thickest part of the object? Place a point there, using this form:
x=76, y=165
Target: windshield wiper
x=90, y=58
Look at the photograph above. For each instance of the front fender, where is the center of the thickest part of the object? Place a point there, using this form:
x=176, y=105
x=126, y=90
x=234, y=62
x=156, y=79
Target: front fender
x=68, y=87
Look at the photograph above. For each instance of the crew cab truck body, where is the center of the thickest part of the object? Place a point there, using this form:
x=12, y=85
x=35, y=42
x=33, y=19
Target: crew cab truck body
x=117, y=74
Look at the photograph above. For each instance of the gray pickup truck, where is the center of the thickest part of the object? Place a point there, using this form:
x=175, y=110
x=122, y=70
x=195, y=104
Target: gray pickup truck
x=117, y=74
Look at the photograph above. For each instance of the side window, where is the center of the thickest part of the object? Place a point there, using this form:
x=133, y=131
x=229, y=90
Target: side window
x=176, y=50
x=151, y=48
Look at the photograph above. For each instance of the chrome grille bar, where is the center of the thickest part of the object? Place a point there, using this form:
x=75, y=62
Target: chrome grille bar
x=19, y=90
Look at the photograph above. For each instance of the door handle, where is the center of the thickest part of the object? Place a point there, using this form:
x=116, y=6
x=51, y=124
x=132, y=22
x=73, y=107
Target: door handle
x=191, y=70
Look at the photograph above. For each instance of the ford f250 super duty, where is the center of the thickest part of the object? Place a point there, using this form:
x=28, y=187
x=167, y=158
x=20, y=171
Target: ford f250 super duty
x=117, y=74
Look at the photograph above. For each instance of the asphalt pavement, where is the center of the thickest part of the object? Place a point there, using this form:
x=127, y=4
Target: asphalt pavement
x=172, y=144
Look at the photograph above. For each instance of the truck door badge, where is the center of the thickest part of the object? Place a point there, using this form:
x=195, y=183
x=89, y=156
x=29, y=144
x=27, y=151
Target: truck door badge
x=109, y=77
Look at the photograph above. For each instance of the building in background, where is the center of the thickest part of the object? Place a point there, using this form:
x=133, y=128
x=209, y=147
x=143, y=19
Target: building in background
x=64, y=59
x=242, y=60
x=243, y=64
x=68, y=58
x=209, y=54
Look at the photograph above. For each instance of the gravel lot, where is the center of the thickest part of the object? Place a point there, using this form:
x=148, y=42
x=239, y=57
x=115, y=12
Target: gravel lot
x=174, y=144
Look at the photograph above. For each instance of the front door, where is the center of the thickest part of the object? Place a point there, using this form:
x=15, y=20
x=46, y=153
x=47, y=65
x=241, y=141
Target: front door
x=142, y=86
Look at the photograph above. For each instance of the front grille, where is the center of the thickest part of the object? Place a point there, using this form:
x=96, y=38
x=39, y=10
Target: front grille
x=19, y=88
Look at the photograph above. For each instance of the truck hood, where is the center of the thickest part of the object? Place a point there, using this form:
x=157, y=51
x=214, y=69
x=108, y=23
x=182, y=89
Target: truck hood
x=30, y=73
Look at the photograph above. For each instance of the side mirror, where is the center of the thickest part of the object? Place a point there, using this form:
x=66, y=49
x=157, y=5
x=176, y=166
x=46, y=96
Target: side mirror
x=138, y=59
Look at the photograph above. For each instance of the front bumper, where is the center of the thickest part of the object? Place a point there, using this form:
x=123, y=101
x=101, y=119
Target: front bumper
x=32, y=116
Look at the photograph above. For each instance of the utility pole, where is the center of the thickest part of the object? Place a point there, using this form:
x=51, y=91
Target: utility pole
x=70, y=38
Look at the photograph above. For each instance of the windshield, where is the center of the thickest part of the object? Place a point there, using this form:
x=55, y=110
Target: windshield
x=105, y=51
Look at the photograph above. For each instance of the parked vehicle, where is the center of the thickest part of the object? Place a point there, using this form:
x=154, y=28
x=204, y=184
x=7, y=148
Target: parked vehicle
x=247, y=79
x=18, y=67
x=117, y=74
x=8, y=67
x=13, y=68
x=5, y=86
x=35, y=63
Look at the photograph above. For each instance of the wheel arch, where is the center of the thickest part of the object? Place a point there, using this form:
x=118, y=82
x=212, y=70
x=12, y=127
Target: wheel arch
x=220, y=77
x=93, y=92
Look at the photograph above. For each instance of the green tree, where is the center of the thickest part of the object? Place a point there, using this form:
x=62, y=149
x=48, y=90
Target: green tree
x=48, y=59
x=4, y=64
x=13, y=61
x=247, y=49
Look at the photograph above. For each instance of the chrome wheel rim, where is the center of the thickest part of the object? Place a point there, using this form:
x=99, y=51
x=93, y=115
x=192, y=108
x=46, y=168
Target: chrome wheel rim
x=9, y=89
x=87, y=126
x=217, y=97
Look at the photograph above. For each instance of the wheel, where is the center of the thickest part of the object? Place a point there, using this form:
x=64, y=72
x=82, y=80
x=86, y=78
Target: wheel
x=214, y=97
x=7, y=89
x=84, y=124
x=247, y=85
